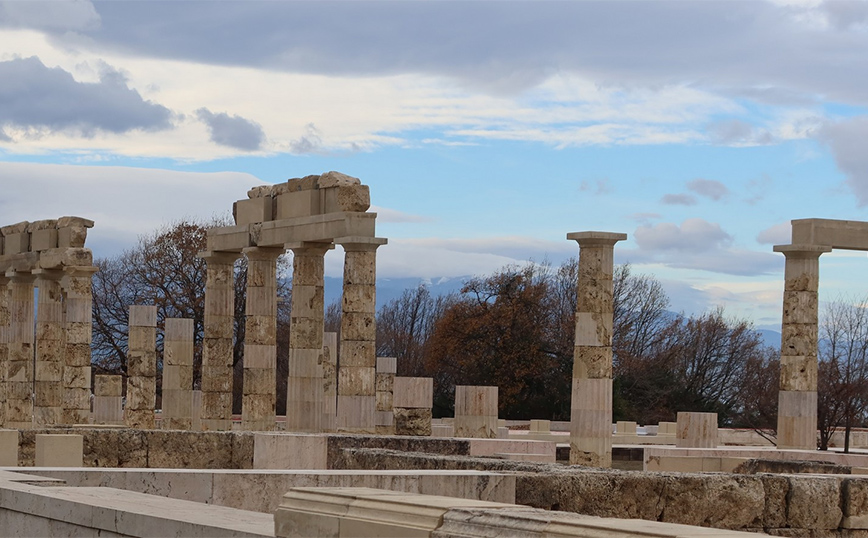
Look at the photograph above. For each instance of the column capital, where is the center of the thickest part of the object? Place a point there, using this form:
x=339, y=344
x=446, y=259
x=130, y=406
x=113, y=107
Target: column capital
x=80, y=270
x=309, y=247
x=263, y=253
x=361, y=243
x=587, y=239
x=47, y=274
x=219, y=256
x=802, y=250
x=20, y=276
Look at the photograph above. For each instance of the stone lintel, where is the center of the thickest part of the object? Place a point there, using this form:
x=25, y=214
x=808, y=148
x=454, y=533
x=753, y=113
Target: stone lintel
x=315, y=228
x=229, y=238
x=596, y=238
x=802, y=250
x=25, y=262
x=263, y=253
x=20, y=276
x=843, y=234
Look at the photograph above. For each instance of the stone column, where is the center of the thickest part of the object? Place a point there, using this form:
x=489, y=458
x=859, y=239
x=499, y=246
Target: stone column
x=141, y=368
x=591, y=399
x=48, y=385
x=797, y=397
x=475, y=411
x=108, y=406
x=260, y=340
x=330, y=381
x=305, y=391
x=357, y=399
x=387, y=369
x=217, y=346
x=19, y=368
x=177, y=374
x=4, y=351
x=77, y=307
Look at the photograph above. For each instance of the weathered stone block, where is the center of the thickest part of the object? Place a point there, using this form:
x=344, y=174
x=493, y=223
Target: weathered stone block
x=592, y=362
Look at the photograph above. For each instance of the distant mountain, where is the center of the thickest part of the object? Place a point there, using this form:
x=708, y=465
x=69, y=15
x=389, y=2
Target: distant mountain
x=770, y=338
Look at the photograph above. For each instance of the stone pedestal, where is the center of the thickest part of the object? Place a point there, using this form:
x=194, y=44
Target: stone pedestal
x=476, y=412
x=412, y=399
x=797, y=398
x=305, y=391
x=177, y=374
x=217, y=346
x=59, y=450
x=330, y=381
x=78, y=308
x=540, y=426
x=696, y=430
x=260, y=340
x=48, y=385
x=591, y=398
x=387, y=368
x=141, y=367
x=19, y=337
x=358, y=360
x=108, y=406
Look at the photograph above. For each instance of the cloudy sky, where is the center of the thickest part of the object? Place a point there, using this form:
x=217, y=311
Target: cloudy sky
x=487, y=130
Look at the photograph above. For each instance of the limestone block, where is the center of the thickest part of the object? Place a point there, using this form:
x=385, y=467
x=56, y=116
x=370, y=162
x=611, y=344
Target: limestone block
x=76, y=377
x=45, y=224
x=594, y=295
x=799, y=339
x=16, y=243
x=139, y=418
x=49, y=371
x=17, y=228
x=143, y=316
x=385, y=382
x=56, y=258
x=8, y=448
x=43, y=240
x=253, y=210
x=625, y=426
x=305, y=363
x=177, y=377
x=260, y=330
x=294, y=204
x=387, y=365
x=72, y=231
x=800, y=307
x=802, y=273
x=259, y=381
x=815, y=504
x=413, y=392
x=260, y=191
x=216, y=379
x=593, y=329
x=289, y=451
x=475, y=401
x=473, y=426
x=358, y=326
x=592, y=362
x=336, y=179
x=358, y=353
x=696, y=430
x=359, y=298
x=108, y=385
x=298, y=184
x=229, y=238
x=141, y=393
x=59, y=450
x=798, y=373
x=384, y=401
x=667, y=428
x=141, y=363
x=356, y=413
x=306, y=332
x=412, y=421
x=442, y=430
x=360, y=266
x=541, y=426
x=108, y=409
x=355, y=198
x=356, y=381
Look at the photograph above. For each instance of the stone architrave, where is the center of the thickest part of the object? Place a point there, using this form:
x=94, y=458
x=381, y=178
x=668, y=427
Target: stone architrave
x=48, y=384
x=108, y=399
x=330, y=381
x=797, y=397
x=305, y=389
x=217, y=345
x=19, y=367
x=387, y=368
x=357, y=400
x=177, y=374
x=591, y=399
x=475, y=411
x=77, y=311
x=412, y=399
x=260, y=340
x=4, y=351
x=141, y=368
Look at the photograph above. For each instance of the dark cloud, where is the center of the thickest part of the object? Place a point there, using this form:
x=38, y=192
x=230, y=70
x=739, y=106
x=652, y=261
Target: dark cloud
x=678, y=199
x=847, y=139
x=507, y=46
x=4, y=137
x=846, y=14
x=33, y=96
x=53, y=16
x=309, y=142
x=708, y=188
x=232, y=131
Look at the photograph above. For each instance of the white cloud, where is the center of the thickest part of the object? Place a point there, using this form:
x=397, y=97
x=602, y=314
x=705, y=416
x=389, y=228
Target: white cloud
x=846, y=139
x=708, y=188
x=678, y=199
x=695, y=235
x=779, y=234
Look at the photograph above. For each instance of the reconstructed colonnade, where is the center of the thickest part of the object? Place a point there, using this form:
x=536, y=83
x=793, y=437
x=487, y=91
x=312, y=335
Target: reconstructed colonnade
x=308, y=216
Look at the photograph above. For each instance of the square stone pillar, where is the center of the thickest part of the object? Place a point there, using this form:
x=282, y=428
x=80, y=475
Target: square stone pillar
x=357, y=399
x=591, y=398
x=305, y=389
x=412, y=399
x=387, y=368
x=108, y=406
x=19, y=368
x=797, y=397
x=475, y=411
x=77, y=312
x=217, y=345
x=141, y=368
x=4, y=351
x=177, y=374
x=48, y=385
x=696, y=430
x=330, y=381
x=260, y=340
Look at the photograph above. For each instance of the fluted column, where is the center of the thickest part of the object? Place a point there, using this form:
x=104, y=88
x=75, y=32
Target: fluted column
x=78, y=312
x=305, y=390
x=260, y=340
x=217, y=345
x=48, y=385
x=797, y=397
x=19, y=368
x=357, y=400
x=591, y=399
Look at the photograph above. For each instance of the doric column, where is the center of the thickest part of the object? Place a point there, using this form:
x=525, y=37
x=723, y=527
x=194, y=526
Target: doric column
x=4, y=351
x=141, y=368
x=260, y=339
x=78, y=312
x=19, y=368
x=797, y=397
x=591, y=400
x=48, y=385
x=217, y=346
x=357, y=399
x=305, y=391
x=177, y=374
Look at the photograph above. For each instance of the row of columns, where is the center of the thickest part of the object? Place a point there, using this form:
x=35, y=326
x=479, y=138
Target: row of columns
x=308, y=407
